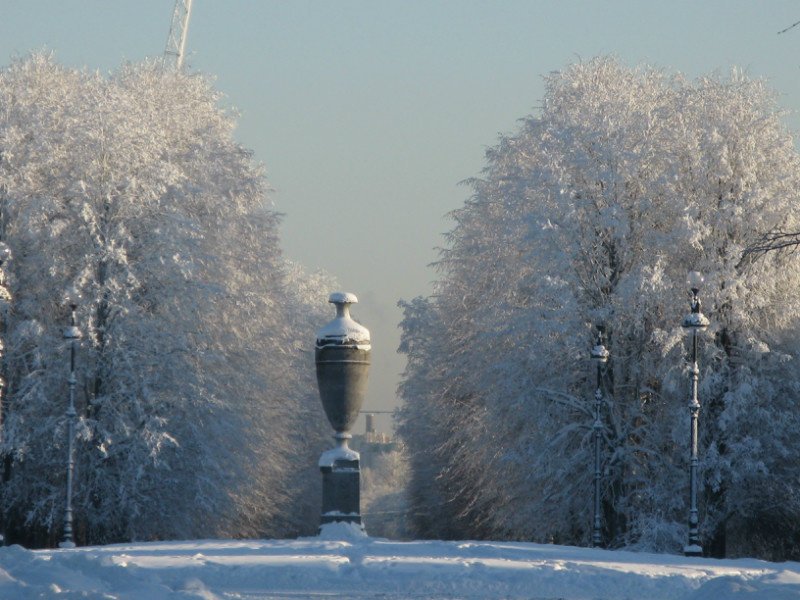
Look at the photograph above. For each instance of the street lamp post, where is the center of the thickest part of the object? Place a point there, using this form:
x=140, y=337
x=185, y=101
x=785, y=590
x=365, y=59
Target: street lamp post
x=695, y=321
x=71, y=334
x=599, y=356
x=5, y=298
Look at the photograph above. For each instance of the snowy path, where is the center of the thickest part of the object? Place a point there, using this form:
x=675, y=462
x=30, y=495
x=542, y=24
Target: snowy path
x=366, y=568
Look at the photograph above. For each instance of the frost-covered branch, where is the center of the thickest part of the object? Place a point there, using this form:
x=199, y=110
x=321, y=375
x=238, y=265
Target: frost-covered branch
x=774, y=241
x=789, y=28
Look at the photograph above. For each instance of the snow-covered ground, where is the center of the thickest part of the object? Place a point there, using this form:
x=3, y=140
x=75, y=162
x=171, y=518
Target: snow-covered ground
x=340, y=564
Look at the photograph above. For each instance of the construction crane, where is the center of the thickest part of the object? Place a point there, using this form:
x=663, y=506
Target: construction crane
x=176, y=41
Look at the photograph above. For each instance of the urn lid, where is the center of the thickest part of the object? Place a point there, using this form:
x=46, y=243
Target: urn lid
x=343, y=330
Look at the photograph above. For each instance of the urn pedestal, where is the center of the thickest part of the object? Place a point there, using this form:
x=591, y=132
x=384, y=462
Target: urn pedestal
x=342, y=357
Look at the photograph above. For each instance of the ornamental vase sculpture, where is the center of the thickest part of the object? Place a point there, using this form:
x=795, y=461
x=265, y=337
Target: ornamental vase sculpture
x=342, y=356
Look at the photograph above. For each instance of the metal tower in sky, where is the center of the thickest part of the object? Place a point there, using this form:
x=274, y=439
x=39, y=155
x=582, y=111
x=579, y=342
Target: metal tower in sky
x=178, y=29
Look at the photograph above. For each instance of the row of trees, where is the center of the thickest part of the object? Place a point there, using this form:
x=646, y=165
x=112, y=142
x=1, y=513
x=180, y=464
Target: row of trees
x=593, y=212
x=197, y=414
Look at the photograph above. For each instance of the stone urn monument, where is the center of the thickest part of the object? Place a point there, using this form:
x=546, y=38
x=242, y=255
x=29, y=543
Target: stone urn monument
x=342, y=356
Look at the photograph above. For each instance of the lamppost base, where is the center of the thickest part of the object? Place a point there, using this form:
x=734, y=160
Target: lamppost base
x=693, y=550
x=66, y=545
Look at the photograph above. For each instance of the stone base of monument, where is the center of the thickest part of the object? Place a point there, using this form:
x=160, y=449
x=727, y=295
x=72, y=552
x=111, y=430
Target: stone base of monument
x=341, y=499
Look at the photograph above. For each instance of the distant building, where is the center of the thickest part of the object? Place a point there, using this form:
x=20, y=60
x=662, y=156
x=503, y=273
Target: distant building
x=372, y=443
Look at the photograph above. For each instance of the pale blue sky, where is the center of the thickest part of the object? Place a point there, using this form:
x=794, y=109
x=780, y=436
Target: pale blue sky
x=367, y=114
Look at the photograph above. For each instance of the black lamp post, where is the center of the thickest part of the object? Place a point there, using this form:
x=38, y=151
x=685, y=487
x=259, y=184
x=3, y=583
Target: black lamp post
x=71, y=334
x=695, y=321
x=599, y=355
x=5, y=298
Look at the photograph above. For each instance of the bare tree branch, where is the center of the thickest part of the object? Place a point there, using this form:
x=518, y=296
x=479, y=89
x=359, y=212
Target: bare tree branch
x=773, y=241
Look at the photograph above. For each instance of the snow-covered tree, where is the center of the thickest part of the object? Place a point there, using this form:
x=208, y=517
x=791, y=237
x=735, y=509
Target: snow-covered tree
x=131, y=188
x=593, y=212
x=383, y=494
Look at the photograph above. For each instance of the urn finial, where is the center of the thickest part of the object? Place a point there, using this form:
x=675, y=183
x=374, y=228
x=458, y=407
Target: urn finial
x=343, y=331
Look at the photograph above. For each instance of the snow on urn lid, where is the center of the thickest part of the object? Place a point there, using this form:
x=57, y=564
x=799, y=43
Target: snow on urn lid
x=343, y=330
